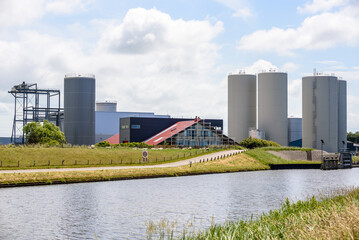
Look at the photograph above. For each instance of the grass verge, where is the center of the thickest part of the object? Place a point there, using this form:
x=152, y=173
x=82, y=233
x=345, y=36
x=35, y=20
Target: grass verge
x=27, y=157
x=333, y=217
x=241, y=162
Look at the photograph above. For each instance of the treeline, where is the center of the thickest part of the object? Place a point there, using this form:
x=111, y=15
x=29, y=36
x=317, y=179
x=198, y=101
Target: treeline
x=353, y=137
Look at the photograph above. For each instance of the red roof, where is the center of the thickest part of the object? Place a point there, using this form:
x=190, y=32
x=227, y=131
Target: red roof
x=115, y=139
x=169, y=132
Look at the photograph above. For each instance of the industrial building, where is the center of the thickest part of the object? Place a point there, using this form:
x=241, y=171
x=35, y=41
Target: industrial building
x=193, y=133
x=295, y=132
x=138, y=129
x=324, y=113
x=107, y=120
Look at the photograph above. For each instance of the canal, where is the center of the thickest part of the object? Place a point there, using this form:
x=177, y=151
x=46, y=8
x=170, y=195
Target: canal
x=120, y=209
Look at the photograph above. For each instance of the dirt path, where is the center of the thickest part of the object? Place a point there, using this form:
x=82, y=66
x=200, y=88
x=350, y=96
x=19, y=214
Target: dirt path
x=172, y=164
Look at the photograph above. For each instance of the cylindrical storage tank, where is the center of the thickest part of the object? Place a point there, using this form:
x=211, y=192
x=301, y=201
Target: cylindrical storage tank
x=79, y=109
x=342, y=115
x=241, y=105
x=273, y=106
x=106, y=106
x=320, y=112
x=294, y=129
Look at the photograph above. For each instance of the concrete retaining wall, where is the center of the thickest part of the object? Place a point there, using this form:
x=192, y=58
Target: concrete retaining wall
x=314, y=155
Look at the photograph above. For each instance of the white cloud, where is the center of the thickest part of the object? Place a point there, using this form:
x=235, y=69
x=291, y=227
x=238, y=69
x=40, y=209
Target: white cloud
x=289, y=67
x=147, y=62
x=322, y=5
x=20, y=13
x=240, y=8
x=318, y=32
x=295, y=98
x=66, y=6
x=260, y=66
x=142, y=31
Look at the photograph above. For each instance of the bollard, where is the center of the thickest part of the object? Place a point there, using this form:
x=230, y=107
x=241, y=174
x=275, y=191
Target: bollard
x=207, y=159
x=48, y=163
x=75, y=162
x=88, y=162
x=121, y=161
x=200, y=161
x=100, y=162
x=18, y=163
x=139, y=160
x=34, y=163
x=111, y=161
x=63, y=160
x=156, y=159
x=190, y=164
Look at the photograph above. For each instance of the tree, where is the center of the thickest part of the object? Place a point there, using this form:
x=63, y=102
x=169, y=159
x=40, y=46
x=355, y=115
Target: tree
x=46, y=133
x=353, y=137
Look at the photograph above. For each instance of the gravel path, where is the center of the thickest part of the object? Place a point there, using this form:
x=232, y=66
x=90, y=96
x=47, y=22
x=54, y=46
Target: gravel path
x=172, y=164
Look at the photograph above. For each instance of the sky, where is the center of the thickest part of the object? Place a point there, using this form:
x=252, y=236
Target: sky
x=173, y=57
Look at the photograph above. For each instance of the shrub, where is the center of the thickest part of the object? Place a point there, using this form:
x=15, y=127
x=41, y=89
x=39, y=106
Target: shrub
x=256, y=143
x=103, y=144
x=136, y=144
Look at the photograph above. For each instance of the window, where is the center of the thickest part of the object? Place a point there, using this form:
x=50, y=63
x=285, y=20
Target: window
x=135, y=126
x=125, y=126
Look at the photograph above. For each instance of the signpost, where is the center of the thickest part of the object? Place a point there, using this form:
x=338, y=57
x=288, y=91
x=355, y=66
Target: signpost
x=145, y=155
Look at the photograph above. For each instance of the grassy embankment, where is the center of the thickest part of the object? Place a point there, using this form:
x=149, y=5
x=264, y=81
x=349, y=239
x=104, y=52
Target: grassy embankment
x=256, y=159
x=24, y=157
x=333, y=217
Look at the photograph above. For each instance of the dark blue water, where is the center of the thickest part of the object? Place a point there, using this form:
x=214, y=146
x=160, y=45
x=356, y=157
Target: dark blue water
x=120, y=209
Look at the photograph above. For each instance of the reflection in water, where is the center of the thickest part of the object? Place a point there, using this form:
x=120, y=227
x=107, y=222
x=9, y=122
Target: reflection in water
x=119, y=210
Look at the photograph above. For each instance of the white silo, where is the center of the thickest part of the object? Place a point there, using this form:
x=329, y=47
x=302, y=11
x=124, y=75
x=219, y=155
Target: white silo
x=241, y=105
x=342, y=115
x=106, y=106
x=273, y=106
x=320, y=112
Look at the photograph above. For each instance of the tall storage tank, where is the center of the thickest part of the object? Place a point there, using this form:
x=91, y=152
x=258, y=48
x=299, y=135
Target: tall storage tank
x=342, y=115
x=273, y=106
x=241, y=105
x=106, y=106
x=320, y=112
x=79, y=109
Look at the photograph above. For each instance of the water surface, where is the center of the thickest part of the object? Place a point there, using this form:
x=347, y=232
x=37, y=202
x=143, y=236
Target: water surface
x=120, y=209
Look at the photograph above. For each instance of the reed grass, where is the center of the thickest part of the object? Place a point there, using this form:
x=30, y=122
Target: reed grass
x=333, y=217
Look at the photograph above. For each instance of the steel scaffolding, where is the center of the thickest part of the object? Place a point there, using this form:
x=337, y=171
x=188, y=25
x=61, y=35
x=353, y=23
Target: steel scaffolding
x=29, y=109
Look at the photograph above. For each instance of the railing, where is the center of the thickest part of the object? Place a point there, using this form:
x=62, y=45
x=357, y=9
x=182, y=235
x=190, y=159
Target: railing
x=88, y=75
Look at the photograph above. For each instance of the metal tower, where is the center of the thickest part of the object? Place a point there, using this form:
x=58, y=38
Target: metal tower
x=28, y=108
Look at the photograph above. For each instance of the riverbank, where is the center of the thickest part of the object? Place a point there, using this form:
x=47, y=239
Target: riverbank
x=334, y=217
x=252, y=160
